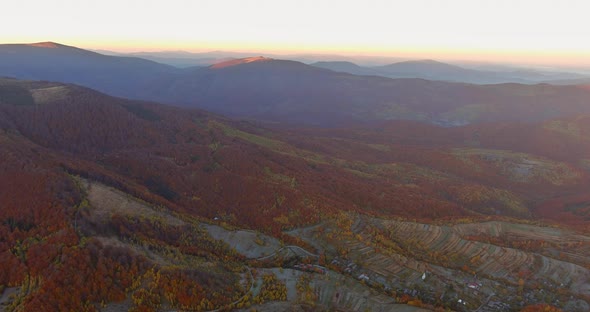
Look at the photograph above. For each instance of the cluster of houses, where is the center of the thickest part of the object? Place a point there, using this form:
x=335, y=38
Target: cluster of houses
x=348, y=265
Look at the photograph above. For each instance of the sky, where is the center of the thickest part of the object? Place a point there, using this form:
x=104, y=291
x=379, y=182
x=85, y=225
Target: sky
x=527, y=31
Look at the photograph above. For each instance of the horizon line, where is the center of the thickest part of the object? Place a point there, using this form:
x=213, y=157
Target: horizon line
x=479, y=56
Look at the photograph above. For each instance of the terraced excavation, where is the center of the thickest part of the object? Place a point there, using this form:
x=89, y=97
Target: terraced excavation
x=447, y=264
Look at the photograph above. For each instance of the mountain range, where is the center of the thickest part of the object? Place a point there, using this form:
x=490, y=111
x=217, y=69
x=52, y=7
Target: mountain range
x=467, y=71
x=270, y=89
x=188, y=59
x=383, y=66
x=434, y=70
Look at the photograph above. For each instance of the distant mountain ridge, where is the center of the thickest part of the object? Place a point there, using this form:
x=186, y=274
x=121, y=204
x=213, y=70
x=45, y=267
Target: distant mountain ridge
x=121, y=76
x=188, y=59
x=182, y=59
x=280, y=90
x=291, y=91
x=435, y=70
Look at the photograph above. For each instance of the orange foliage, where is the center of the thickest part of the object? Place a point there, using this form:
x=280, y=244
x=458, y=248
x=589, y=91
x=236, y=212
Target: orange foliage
x=540, y=308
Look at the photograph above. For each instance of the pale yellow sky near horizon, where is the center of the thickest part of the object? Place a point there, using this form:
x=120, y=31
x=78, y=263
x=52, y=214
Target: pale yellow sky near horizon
x=518, y=31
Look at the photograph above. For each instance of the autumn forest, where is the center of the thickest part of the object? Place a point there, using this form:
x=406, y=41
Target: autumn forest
x=115, y=204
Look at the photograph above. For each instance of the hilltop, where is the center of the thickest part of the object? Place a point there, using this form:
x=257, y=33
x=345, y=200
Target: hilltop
x=240, y=62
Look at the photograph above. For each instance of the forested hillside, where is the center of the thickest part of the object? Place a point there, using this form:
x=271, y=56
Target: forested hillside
x=137, y=204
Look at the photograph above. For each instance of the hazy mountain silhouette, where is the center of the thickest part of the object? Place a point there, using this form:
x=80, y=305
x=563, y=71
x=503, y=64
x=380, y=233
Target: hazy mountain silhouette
x=270, y=89
x=427, y=69
x=347, y=67
x=187, y=59
x=182, y=59
x=287, y=90
x=122, y=76
x=435, y=70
